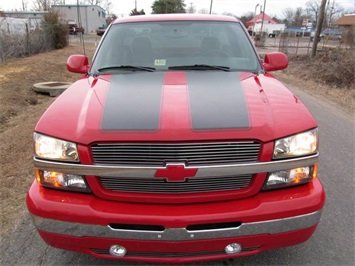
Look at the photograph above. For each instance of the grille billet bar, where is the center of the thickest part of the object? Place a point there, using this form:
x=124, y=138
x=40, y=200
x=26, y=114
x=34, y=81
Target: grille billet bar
x=191, y=185
x=190, y=154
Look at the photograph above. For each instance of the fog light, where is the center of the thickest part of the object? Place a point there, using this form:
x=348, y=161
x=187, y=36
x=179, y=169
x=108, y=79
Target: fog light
x=117, y=251
x=233, y=248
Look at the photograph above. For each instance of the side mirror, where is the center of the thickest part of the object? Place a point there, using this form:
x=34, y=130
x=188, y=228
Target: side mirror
x=275, y=61
x=78, y=64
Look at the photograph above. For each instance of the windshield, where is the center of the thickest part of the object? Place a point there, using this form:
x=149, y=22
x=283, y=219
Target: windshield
x=175, y=45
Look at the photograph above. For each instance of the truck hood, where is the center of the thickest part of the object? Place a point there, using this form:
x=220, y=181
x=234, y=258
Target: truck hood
x=175, y=106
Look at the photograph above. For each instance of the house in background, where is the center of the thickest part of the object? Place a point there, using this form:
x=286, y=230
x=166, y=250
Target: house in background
x=270, y=26
x=347, y=23
x=259, y=18
x=89, y=17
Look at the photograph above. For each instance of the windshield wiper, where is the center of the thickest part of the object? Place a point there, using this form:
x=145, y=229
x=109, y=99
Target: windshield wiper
x=127, y=67
x=200, y=67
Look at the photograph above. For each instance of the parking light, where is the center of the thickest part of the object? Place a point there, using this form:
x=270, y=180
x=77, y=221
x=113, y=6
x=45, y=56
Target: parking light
x=61, y=181
x=292, y=177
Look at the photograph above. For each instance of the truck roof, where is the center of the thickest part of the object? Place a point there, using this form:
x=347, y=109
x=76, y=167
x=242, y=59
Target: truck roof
x=165, y=17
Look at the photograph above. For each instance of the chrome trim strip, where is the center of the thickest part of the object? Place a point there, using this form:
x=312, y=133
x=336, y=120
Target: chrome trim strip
x=178, y=234
x=203, y=171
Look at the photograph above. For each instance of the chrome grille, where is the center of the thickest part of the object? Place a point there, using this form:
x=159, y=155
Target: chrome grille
x=157, y=185
x=190, y=154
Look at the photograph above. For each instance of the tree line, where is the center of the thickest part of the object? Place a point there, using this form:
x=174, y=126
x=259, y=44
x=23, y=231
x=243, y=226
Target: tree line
x=310, y=12
x=290, y=17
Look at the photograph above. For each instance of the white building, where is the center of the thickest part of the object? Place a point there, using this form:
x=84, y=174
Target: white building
x=13, y=25
x=16, y=21
x=26, y=14
x=90, y=17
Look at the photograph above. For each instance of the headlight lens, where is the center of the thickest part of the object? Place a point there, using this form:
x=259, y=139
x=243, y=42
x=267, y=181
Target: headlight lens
x=291, y=177
x=61, y=181
x=297, y=145
x=55, y=149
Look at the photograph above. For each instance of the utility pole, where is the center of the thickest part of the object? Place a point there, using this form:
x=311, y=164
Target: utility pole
x=253, y=32
x=211, y=6
x=191, y=9
x=135, y=4
x=262, y=23
x=319, y=28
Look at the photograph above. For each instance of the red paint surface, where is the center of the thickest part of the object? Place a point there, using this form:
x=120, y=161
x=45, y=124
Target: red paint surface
x=87, y=208
x=274, y=112
x=264, y=242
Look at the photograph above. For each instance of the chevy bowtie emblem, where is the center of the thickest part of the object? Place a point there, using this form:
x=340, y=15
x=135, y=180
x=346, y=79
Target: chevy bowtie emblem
x=175, y=173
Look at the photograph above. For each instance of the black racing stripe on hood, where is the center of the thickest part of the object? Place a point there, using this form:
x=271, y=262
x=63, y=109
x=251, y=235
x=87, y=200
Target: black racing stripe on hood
x=133, y=102
x=217, y=101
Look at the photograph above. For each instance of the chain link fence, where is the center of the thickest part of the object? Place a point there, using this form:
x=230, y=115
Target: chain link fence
x=292, y=44
x=24, y=42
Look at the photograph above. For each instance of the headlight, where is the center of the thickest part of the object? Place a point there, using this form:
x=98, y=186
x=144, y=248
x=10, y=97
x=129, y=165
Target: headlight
x=55, y=149
x=297, y=145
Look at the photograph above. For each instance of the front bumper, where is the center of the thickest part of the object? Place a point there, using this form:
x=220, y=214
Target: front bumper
x=86, y=224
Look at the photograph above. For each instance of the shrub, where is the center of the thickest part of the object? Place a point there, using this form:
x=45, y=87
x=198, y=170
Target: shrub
x=333, y=66
x=55, y=30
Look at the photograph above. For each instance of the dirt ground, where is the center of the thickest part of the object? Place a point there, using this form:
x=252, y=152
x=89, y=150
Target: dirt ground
x=20, y=109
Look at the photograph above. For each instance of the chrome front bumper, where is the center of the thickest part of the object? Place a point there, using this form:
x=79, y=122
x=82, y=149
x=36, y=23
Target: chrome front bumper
x=178, y=234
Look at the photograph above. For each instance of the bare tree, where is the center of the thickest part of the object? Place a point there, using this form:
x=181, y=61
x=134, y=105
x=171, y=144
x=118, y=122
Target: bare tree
x=312, y=8
x=288, y=14
x=203, y=11
x=24, y=5
x=334, y=11
x=42, y=5
x=92, y=2
x=105, y=4
x=294, y=17
x=319, y=27
x=298, y=17
x=229, y=14
x=246, y=17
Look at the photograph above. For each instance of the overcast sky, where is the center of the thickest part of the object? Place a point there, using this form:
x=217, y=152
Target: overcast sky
x=237, y=7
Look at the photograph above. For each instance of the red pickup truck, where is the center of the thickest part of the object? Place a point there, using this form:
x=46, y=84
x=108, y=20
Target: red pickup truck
x=176, y=145
x=73, y=29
